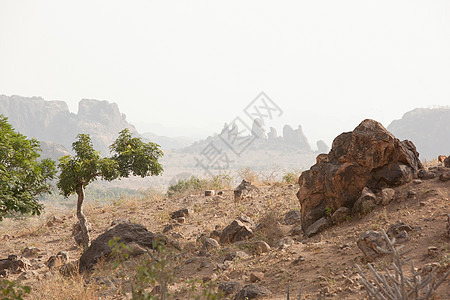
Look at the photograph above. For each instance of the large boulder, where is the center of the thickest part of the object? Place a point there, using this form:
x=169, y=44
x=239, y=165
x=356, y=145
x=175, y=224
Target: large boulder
x=369, y=156
x=136, y=236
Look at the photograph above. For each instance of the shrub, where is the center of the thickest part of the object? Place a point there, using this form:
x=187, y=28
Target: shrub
x=11, y=290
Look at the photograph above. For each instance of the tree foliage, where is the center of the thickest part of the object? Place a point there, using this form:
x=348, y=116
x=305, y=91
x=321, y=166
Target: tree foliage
x=130, y=156
x=23, y=177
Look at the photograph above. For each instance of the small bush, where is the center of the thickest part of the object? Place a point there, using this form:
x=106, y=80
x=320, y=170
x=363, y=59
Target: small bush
x=195, y=184
x=249, y=175
x=11, y=290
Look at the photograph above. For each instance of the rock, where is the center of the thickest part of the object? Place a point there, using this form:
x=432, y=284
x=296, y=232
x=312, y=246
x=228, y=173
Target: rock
x=230, y=287
x=215, y=234
x=257, y=129
x=56, y=261
x=210, y=244
x=369, y=156
x=292, y=217
x=27, y=275
x=444, y=176
x=261, y=247
x=296, y=230
x=387, y=195
x=76, y=232
x=402, y=237
x=272, y=135
x=397, y=228
x=340, y=215
x=119, y=221
x=69, y=269
x=417, y=181
x=245, y=188
x=284, y=243
x=30, y=252
x=209, y=193
x=253, y=291
x=369, y=241
x=52, y=121
x=425, y=174
x=168, y=228
x=126, y=233
x=181, y=220
x=411, y=193
x=236, y=231
x=366, y=202
x=236, y=254
x=14, y=265
x=322, y=147
x=448, y=225
x=256, y=276
x=296, y=137
x=181, y=213
x=433, y=251
x=447, y=162
x=317, y=227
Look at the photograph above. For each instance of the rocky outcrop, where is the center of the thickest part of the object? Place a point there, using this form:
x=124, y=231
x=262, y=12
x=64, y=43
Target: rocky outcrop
x=427, y=127
x=322, y=147
x=258, y=130
x=272, y=135
x=369, y=156
x=52, y=121
x=296, y=137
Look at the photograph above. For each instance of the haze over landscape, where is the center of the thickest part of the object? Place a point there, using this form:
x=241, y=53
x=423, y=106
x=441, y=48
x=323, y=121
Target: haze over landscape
x=191, y=67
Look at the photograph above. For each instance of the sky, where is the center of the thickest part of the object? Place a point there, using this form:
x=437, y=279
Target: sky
x=184, y=68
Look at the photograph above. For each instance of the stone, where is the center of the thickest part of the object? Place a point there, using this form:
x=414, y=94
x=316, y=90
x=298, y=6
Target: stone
x=322, y=147
x=181, y=213
x=209, y=193
x=126, y=233
x=296, y=137
x=256, y=276
x=369, y=242
x=448, y=225
x=56, y=261
x=411, y=194
x=236, y=231
x=444, y=176
x=245, y=188
x=447, y=162
x=230, y=287
x=397, y=228
x=210, y=244
x=257, y=129
x=366, y=202
x=284, y=243
x=236, y=254
x=296, y=230
x=181, y=220
x=369, y=156
x=261, y=247
x=272, y=135
x=292, y=217
x=30, y=252
x=252, y=291
x=317, y=227
x=340, y=215
x=119, y=221
x=387, y=195
x=425, y=174
x=69, y=269
x=14, y=265
x=417, y=181
x=433, y=251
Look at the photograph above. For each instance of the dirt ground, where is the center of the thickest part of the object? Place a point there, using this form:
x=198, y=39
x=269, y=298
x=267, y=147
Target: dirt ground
x=322, y=265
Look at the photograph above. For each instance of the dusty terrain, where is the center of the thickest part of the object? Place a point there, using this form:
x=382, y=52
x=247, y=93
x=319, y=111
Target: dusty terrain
x=322, y=265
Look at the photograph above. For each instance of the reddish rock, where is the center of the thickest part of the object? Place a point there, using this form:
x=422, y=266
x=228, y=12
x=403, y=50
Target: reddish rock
x=369, y=156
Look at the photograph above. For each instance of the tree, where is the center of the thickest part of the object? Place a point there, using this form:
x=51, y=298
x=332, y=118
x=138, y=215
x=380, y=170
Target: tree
x=23, y=177
x=131, y=156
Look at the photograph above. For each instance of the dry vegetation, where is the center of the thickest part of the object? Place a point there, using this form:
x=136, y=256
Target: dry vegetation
x=323, y=265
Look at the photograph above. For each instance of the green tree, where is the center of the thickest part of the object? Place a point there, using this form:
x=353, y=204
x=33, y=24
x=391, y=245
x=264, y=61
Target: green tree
x=23, y=177
x=130, y=156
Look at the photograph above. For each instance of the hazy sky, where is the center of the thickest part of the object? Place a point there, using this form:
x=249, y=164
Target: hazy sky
x=193, y=65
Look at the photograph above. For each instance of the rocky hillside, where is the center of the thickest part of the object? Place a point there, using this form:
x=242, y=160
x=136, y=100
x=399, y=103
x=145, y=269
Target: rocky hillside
x=429, y=128
x=51, y=121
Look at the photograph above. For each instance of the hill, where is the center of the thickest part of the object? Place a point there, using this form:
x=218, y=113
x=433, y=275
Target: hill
x=429, y=128
x=51, y=121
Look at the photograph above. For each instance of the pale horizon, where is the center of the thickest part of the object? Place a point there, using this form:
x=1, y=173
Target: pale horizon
x=193, y=67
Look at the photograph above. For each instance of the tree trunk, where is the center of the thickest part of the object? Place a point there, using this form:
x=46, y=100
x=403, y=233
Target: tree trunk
x=82, y=217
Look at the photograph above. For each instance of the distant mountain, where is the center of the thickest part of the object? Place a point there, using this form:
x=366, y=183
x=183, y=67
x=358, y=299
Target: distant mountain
x=427, y=128
x=168, y=142
x=51, y=121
